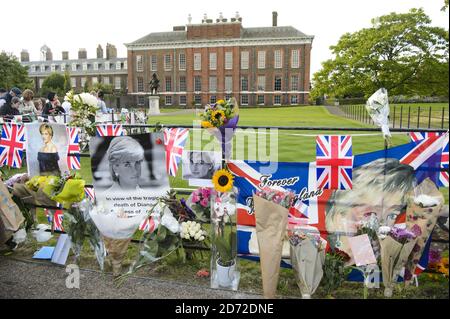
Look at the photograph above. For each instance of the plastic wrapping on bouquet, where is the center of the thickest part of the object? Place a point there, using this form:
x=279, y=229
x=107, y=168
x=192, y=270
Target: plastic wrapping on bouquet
x=224, y=135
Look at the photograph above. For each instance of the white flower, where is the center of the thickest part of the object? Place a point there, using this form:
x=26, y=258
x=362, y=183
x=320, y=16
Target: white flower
x=383, y=230
x=201, y=238
x=169, y=221
x=196, y=236
x=426, y=200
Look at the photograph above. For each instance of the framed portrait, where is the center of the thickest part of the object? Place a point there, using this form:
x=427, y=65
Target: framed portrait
x=47, y=146
x=199, y=167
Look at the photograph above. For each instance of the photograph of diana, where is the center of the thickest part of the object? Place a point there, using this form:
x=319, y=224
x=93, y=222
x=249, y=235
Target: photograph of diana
x=47, y=145
x=199, y=167
x=128, y=171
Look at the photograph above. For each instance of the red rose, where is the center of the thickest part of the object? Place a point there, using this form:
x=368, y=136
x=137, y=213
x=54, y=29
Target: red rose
x=159, y=141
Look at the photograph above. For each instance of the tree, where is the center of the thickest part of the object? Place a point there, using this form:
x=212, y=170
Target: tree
x=53, y=83
x=67, y=84
x=12, y=73
x=400, y=52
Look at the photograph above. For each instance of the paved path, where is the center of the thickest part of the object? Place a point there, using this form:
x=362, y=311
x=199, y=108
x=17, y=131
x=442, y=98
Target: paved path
x=335, y=110
x=26, y=279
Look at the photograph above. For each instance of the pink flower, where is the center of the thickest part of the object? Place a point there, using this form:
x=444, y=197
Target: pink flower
x=204, y=202
x=195, y=198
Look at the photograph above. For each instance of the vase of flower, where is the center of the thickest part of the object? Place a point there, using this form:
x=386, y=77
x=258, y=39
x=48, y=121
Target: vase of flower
x=224, y=240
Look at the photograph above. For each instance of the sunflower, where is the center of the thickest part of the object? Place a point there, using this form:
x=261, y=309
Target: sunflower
x=218, y=116
x=221, y=102
x=222, y=180
x=206, y=124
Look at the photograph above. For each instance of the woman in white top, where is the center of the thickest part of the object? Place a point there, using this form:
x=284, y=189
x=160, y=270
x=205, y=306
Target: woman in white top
x=27, y=105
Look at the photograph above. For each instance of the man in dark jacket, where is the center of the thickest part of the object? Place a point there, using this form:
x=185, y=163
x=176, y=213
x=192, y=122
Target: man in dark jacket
x=53, y=106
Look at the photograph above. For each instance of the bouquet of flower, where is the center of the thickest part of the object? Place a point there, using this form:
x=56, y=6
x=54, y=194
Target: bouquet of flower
x=335, y=272
x=307, y=258
x=83, y=107
x=66, y=189
x=282, y=198
x=200, y=202
x=396, y=247
x=370, y=226
x=221, y=120
x=378, y=108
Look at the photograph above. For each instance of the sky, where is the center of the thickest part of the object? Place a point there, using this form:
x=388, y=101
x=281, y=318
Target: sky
x=67, y=25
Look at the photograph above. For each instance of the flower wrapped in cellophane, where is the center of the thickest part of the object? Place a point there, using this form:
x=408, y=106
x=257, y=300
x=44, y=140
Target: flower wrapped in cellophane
x=200, y=203
x=221, y=119
x=307, y=258
x=396, y=246
x=378, y=107
x=271, y=214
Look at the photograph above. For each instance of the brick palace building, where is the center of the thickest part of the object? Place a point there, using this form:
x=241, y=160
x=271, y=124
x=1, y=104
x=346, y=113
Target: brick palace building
x=201, y=63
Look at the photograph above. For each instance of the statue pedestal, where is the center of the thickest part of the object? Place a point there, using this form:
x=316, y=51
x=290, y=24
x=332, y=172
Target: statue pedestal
x=153, y=104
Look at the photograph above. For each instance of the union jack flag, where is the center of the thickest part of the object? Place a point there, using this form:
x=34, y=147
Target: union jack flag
x=334, y=161
x=174, y=140
x=110, y=130
x=443, y=176
x=148, y=225
x=73, y=161
x=89, y=192
x=12, y=144
x=58, y=217
x=428, y=156
x=55, y=218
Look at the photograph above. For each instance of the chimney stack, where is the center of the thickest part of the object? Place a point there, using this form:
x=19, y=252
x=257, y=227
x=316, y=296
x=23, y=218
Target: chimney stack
x=49, y=55
x=24, y=56
x=82, y=54
x=65, y=55
x=111, y=51
x=99, y=52
x=274, y=18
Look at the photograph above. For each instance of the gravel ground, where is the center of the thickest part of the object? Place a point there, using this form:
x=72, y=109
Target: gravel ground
x=35, y=280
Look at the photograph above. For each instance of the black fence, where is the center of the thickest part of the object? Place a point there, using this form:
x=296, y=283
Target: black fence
x=404, y=116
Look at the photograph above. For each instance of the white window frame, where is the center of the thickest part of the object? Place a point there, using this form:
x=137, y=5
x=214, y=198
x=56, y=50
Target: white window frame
x=107, y=65
x=85, y=66
x=257, y=99
x=261, y=59
x=228, y=83
x=297, y=79
x=40, y=82
x=261, y=82
x=53, y=67
x=141, y=100
x=182, y=62
x=106, y=80
x=94, y=79
x=277, y=59
x=274, y=97
x=125, y=65
x=244, y=60
x=154, y=63
x=199, y=100
x=275, y=83
x=212, y=60
x=42, y=68
x=73, y=82
x=212, y=83
x=296, y=99
x=185, y=84
x=167, y=62
x=228, y=60
x=195, y=83
x=242, y=97
x=213, y=99
x=168, y=83
x=185, y=99
x=117, y=83
x=139, y=63
x=197, y=61
x=247, y=84
x=140, y=84
x=63, y=67
x=95, y=66
x=295, y=59
x=32, y=68
x=168, y=100
x=83, y=81
x=118, y=65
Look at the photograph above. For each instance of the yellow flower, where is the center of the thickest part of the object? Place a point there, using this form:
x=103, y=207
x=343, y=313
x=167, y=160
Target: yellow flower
x=218, y=115
x=222, y=102
x=206, y=124
x=222, y=180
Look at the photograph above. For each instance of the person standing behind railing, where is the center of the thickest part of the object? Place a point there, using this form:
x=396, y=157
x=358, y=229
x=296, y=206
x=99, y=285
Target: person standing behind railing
x=8, y=110
x=101, y=102
x=27, y=107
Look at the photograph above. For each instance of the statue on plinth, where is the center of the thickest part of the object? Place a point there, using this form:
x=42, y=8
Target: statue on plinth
x=154, y=84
